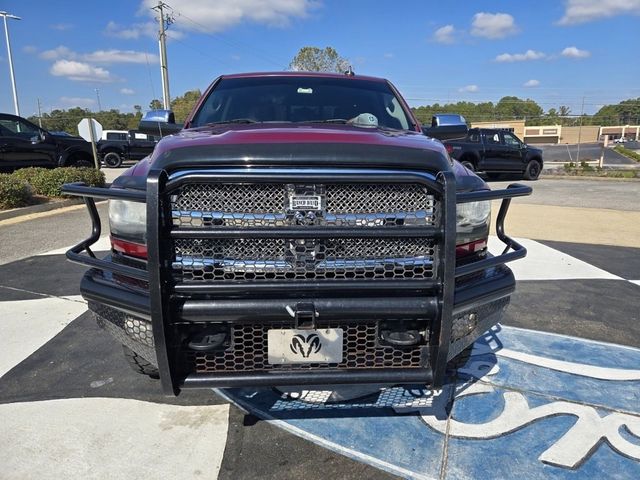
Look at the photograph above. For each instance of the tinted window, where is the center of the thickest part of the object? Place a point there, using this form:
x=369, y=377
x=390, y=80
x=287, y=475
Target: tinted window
x=492, y=138
x=301, y=99
x=116, y=136
x=19, y=128
x=511, y=140
x=474, y=137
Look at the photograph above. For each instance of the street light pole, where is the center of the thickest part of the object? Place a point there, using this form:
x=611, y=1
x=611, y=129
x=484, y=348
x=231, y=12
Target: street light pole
x=13, y=77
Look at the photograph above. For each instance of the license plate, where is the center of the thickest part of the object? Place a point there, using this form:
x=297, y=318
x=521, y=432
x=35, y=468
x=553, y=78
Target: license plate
x=305, y=202
x=304, y=346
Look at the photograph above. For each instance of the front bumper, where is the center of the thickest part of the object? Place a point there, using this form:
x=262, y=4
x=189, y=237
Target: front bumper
x=155, y=318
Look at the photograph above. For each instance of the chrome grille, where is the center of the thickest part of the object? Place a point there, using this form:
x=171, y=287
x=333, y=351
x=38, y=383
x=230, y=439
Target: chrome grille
x=248, y=351
x=267, y=205
x=201, y=260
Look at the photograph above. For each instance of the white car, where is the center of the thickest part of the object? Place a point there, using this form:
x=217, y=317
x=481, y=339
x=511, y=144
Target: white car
x=621, y=140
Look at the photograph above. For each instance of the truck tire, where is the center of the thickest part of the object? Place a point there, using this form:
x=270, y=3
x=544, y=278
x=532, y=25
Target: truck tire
x=112, y=159
x=81, y=162
x=532, y=172
x=139, y=364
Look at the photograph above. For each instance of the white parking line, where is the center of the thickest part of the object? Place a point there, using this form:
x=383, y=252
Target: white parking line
x=102, y=245
x=546, y=263
x=111, y=438
x=26, y=325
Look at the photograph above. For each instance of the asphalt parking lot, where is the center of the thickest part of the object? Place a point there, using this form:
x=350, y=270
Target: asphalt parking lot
x=541, y=397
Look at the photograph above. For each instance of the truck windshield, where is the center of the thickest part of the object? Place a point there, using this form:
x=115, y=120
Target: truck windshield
x=301, y=99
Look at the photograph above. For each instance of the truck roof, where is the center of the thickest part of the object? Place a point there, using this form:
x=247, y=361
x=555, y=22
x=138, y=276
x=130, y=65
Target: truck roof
x=304, y=74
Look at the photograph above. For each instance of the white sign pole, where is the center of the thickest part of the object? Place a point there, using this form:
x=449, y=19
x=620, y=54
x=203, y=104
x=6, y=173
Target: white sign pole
x=92, y=132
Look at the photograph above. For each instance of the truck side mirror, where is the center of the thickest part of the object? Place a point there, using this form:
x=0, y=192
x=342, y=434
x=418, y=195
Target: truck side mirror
x=445, y=126
x=159, y=122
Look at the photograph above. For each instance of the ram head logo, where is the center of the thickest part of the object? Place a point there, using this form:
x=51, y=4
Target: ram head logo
x=305, y=345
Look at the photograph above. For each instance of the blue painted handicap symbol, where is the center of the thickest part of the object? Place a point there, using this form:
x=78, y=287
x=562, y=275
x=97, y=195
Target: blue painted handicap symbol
x=526, y=404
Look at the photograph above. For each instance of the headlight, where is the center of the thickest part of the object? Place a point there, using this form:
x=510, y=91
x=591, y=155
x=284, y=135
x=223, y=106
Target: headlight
x=128, y=220
x=473, y=214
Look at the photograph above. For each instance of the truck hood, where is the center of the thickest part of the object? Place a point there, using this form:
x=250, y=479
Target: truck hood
x=291, y=145
x=299, y=145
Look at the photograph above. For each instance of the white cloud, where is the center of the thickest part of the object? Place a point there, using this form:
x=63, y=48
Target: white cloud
x=99, y=56
x=29, y=49
x=58, y=53
x=132, y=32
x=445, y=34
x=469, y=89
x=127, y=91
x=119, y=56
x=519, y=57
x=582, y=11
x=62, y=26
x=493, y=25
x=388, y=55
x=77, y=102
x=574, y=52
x=80, y=72
x=208, y=16
x=531, y=83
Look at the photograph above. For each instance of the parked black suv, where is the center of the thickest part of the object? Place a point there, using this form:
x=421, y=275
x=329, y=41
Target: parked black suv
x=23, y=144
x=495, y=151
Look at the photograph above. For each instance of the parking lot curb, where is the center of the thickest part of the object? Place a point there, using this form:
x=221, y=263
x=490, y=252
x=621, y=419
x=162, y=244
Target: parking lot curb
x=584, y=177
x=43, y=207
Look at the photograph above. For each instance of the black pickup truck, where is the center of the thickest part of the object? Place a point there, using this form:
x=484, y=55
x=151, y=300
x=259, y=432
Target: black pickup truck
x=300, y=229
x=494, y=152
x=23, y=144
x=121, y=146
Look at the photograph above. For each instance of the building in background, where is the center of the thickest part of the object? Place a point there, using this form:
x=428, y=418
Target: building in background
x=557, y=134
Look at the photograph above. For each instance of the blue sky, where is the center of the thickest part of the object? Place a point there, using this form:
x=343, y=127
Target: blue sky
x=555, y=52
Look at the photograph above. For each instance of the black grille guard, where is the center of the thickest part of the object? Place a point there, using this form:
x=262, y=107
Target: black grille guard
x=158, y=271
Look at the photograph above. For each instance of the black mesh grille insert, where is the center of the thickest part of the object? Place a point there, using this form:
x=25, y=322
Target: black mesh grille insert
x=202, y=260
x=360, y=350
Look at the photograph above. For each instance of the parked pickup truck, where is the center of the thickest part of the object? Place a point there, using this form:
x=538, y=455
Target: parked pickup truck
x=299, y=230
x=118, y=146
x=23, y=144
x=494, y=152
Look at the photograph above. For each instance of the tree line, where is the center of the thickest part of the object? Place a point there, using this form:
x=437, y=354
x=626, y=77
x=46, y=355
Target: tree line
x=508, y=108
x=328, y=60
x=60, y=120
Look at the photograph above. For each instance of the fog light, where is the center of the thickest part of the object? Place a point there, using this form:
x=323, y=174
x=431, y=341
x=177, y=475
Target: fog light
x=464, y=325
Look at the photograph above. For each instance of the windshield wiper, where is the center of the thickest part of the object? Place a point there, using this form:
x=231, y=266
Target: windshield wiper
x=233, y=120
x=330, y=120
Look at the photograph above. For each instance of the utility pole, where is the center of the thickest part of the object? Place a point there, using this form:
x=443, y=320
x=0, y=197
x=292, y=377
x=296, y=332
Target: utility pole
x=580, y=133
x=6, y=15
x=98, y=96
x=164, y=21
x=39, y=114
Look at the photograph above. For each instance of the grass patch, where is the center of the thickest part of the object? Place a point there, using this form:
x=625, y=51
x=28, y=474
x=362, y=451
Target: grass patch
x=627, y=153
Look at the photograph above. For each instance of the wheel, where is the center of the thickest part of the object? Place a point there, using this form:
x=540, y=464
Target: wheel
x=81, y=162
x=139, y=364
x=468, y=164
x=112, y=160
x=532, y=172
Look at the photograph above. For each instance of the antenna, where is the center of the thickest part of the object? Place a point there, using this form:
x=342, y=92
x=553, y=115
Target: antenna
x=349, y=72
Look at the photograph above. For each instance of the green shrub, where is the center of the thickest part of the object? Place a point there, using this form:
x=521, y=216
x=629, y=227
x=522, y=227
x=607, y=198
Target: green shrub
x=14, y=192
x=48, y=182
x=627, y=153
